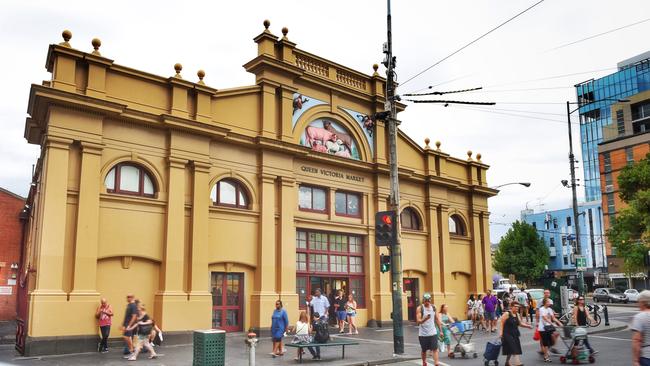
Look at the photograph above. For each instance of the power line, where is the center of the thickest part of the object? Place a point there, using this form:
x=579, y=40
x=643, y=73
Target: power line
x=472, y=42
x=442, y=93
x=447, y=102
x=554, y=77
x=516, y=115
x=597, y=35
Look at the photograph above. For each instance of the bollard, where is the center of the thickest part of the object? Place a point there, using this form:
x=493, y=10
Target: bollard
x=251, y=342
x=606, y=314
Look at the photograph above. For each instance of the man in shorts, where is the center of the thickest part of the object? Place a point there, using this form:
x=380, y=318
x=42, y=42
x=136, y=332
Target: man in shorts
x=130, y=315
x=490, y=303
x=427, y=320
x=641, y=332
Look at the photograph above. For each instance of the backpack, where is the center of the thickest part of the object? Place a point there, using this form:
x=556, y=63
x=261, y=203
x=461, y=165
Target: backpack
x=322, y=332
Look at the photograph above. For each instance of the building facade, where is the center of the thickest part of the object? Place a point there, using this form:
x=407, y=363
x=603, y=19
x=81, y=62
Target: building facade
x=596, y=97
x=558, y=231
x=626, y=142
x=11, y=237
x=211, y=204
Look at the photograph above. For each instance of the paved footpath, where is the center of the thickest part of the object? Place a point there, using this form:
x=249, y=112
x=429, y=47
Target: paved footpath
x=375, y=347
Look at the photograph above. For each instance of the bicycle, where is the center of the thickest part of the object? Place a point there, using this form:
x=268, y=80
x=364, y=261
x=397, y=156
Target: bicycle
x=566, y=317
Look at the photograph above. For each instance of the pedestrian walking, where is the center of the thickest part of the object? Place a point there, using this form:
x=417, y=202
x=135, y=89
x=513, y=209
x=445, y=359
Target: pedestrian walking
x=339, y=305
x=142, y=328
x=581, y=317
x=471, y=303
x=522, y=299
x=554, y=335
x=427, y=320
x=510, y=323
x=130, y=316
x=479, y=310
x=532, y=305
x=546, y=327
x=490, y=303
x=279, y=325
x=319, y=304
x=303, y=333
x=641, y=331
x=104, y=315
x=445, y=320
x=351, y=312
x=507, y=298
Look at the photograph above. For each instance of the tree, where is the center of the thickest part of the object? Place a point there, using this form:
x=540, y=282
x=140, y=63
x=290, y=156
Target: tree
x=521, y=252
x=629, y=233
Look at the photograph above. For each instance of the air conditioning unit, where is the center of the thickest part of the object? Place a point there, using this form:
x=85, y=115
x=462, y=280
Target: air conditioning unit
x=609, y=188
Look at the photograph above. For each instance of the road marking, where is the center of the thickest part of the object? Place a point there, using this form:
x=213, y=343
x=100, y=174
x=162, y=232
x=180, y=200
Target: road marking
x=613, y=338
x=383, y=330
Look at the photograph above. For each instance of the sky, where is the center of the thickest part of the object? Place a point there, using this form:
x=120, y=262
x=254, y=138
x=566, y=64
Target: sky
x=520, y=67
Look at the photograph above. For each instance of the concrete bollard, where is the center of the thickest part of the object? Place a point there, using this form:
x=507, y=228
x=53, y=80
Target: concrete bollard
x=606, y=315
x=251, y=343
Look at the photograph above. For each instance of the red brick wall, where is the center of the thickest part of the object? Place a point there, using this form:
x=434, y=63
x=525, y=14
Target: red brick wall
x=10, y=241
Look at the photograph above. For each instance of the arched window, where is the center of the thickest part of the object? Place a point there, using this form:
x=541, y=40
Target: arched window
x=410, y=219
x=229, y=192
x=457, y=226
x=130, y=178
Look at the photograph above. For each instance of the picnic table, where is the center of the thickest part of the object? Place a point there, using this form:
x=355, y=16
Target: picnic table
x=332, y=343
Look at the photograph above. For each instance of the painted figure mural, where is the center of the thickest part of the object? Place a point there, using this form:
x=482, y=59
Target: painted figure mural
x=329, y=137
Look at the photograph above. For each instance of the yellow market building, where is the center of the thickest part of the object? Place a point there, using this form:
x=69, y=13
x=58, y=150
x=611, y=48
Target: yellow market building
x=210, y=204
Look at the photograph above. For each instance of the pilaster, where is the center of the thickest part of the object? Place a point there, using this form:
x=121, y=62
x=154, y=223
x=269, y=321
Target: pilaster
x=487, y=255
x=444, y=247
x=269, y=114
x=287, y=246
x=171, y=298
x=265, y=294
x=286, y=127
x=477, y=278
x=434, y=275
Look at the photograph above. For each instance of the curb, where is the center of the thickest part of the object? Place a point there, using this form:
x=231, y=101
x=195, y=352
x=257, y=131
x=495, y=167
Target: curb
x=382, y=362
x=615, y=328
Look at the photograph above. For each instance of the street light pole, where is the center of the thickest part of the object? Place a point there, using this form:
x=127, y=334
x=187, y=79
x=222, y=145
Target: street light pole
x=572, y=161
x=396, y=250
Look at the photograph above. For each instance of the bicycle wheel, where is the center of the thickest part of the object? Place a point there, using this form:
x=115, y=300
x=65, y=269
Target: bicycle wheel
x=564, y=319
x=597, y=320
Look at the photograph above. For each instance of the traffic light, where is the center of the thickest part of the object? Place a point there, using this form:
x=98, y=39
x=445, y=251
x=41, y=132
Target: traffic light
x=385, y=228
x=384, y=263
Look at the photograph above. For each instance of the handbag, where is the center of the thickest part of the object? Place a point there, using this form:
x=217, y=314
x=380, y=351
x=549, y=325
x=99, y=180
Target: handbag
x=549, y=328
x=536, y=335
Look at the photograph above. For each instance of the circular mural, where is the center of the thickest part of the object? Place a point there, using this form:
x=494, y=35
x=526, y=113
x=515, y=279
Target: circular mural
x=326, y=136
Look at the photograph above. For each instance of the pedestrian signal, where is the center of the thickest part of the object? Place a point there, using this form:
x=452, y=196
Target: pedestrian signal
x=385, y=228
x=384, y=263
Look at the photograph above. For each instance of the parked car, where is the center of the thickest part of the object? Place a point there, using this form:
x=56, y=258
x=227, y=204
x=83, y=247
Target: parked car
x=632, y=294
x=536, y=293
x=609, y=295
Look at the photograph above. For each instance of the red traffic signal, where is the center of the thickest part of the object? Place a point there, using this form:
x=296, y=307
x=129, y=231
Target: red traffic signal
x=385, y=228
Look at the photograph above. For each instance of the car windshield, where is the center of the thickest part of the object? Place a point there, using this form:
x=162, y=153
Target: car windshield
x=615, y=291
x=631, y=291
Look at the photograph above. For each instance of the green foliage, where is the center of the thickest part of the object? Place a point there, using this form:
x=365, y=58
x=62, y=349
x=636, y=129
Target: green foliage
x=521, y=252
x=629, y=233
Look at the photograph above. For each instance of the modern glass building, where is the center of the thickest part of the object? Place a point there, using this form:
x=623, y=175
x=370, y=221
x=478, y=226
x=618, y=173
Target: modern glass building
x=596, y=97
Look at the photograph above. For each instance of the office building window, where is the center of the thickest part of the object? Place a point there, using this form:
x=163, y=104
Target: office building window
x=608, y=179
x=620, y=122
x=230, y=193
x=564, y=241
x=611, y=206
x=347, y=204
x=568, y=221
x=641, y=110
x=552, y=241
x=607, y=162
x=312, y=199
x=566, y=260
x=535, y=225
x=131, y=179
x=554, y=223
x=629, y=155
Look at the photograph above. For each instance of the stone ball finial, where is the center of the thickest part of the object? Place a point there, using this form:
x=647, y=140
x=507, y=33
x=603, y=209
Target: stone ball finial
x=478, y=156
x=469, y=154
x=67, y=36
x=285, y=31
x=178, y=67
x=426, y=143
x=438, y=143
x=96, y=42
x=267, y=24
x=201, y=75
x=375, y=67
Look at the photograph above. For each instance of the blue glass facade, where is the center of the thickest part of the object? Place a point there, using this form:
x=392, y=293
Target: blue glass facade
x=596, y=97
x=557, y=230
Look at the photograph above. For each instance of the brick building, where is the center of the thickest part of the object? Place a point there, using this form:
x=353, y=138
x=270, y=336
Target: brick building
x=626, y=141
x=11, y=206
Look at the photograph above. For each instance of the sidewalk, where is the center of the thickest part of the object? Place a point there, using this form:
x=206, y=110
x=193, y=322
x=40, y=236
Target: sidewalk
x=376, y=347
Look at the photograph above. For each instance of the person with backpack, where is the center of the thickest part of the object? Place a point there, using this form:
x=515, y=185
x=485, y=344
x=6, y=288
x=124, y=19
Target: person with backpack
x=321, y=334
x=427, y=321
x=144, y=325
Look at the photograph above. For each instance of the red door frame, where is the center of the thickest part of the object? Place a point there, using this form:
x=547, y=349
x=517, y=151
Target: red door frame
x=412, y=285
x=223, y=308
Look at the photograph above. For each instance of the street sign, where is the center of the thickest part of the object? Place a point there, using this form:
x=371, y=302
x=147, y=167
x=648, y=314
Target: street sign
x=581, y=263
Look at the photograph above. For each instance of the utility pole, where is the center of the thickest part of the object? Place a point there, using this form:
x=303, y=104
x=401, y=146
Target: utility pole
x=576, y=225
x=395, y=249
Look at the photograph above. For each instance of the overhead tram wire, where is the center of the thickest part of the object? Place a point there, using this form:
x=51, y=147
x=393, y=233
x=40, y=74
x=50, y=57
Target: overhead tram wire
x=597, y=35
x=514, y=115
x=472, y=42
x=441, y=93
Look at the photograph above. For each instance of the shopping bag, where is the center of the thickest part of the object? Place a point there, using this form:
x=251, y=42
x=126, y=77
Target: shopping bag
x=536, y=336
x=443, y=347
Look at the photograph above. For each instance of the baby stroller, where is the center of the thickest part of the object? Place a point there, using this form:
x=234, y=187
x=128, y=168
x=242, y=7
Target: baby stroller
x=574, y=339
x=462, y=333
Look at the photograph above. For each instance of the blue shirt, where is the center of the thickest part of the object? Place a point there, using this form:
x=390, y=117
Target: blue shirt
x=279, y=322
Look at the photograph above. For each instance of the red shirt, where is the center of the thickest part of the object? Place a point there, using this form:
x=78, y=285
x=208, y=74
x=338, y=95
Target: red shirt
x=104, y=319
